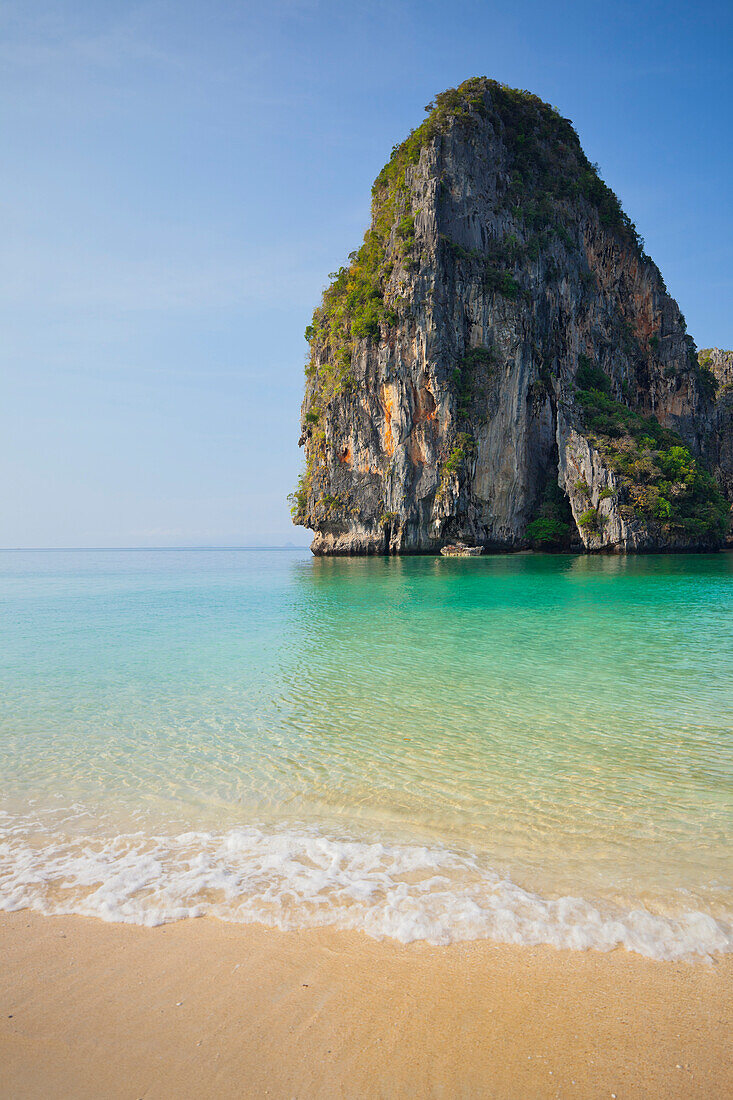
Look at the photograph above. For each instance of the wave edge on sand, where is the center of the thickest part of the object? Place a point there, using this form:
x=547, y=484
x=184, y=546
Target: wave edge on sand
x=298, y=878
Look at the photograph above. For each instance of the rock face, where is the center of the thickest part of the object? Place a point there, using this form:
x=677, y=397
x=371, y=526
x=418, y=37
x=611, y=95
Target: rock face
x=500, y=362
x=720, y=448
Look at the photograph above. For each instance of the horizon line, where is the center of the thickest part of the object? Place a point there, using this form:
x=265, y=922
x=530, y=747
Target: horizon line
x=140, y=549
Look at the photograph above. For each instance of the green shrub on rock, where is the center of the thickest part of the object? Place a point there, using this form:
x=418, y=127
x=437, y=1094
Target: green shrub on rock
x=552, y=526
x=658, y=477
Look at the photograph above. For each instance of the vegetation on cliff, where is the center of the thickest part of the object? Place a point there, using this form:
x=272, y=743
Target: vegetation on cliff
x=553, y=527
x=658, y=478
x=548, y=170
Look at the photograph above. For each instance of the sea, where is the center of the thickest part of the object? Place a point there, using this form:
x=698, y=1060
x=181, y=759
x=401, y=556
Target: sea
x=525, y=748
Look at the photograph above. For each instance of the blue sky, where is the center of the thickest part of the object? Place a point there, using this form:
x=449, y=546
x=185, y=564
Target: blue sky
x=178, y=178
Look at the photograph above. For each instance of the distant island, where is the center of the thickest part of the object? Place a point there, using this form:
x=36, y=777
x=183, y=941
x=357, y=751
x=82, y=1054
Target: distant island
x=500, y=363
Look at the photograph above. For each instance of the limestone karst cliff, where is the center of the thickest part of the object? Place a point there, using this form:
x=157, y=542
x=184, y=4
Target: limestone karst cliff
x=720, y=439
x=500, y=361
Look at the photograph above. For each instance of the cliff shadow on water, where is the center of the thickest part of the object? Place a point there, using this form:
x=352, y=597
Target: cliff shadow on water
x=500, y=361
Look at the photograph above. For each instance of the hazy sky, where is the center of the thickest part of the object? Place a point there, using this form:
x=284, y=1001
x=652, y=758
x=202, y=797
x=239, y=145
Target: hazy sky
x=179, y=177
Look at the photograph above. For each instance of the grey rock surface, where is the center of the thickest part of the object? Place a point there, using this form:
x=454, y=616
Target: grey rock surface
x=720, y=447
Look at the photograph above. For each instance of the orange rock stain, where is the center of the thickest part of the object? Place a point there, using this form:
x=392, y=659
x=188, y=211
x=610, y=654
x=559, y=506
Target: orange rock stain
x=387, y=437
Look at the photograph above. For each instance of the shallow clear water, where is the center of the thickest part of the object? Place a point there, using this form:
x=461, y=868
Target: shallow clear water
x=530, y=748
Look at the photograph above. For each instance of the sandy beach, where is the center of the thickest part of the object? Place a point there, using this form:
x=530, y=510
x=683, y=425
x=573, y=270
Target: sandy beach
x=207, y=1009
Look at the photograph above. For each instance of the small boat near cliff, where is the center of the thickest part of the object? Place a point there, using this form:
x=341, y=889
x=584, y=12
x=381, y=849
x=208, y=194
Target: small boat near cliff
x=460, y=550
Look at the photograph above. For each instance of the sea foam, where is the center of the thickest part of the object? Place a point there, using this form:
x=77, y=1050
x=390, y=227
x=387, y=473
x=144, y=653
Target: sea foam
x=297, y=878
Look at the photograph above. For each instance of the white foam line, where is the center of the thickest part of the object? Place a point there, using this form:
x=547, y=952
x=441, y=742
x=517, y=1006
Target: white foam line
x=298, y=878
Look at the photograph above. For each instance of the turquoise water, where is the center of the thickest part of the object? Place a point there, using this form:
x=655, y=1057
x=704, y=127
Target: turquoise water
x=528, y=748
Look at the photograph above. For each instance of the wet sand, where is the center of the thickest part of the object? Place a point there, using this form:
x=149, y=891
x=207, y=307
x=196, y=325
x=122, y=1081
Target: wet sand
x=206, y=1009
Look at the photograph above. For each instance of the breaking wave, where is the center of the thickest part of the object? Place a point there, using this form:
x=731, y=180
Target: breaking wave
x=299, y=878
